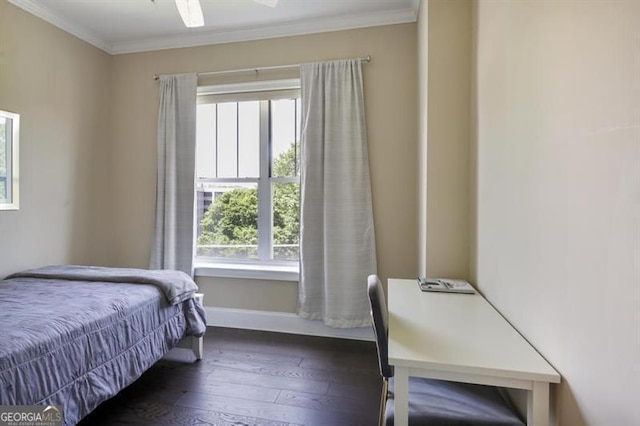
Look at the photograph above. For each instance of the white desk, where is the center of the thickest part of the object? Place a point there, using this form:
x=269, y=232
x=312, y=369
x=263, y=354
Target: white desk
x=461, y=337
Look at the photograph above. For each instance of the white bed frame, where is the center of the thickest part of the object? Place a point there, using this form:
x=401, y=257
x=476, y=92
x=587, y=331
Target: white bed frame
x=191, y=342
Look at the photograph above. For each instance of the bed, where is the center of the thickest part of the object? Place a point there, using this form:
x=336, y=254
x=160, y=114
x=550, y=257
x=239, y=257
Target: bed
x=75, y=336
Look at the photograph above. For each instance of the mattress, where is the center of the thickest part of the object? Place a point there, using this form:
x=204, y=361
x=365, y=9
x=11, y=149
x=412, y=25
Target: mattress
x=78, y=343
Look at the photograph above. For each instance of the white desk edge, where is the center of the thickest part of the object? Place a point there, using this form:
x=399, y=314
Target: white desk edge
x=524, y=367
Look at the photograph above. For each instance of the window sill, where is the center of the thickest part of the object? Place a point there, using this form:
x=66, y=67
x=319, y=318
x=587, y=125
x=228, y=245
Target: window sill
x=254, y=271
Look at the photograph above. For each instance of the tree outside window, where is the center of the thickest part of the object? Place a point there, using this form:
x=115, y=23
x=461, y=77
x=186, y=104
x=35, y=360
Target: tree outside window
x=232, y=218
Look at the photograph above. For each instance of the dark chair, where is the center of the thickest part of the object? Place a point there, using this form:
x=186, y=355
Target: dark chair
x=434, y=402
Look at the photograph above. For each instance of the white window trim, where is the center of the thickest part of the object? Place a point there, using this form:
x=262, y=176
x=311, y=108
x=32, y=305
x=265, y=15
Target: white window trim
x=265, y=200
x=250, y=86
x=252, y=269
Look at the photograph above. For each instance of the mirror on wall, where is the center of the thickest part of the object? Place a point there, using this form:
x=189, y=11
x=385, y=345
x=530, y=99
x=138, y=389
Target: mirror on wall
x=9, y=139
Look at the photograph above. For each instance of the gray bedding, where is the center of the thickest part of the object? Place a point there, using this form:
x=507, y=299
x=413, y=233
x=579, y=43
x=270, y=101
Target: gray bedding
x=77, y=343
x=176, y=285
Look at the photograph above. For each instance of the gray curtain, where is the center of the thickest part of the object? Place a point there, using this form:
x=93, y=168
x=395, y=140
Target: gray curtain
x=174, y=231
x=337, y=241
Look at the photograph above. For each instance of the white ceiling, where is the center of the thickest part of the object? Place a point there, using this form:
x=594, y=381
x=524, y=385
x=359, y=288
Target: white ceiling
x=126, y=26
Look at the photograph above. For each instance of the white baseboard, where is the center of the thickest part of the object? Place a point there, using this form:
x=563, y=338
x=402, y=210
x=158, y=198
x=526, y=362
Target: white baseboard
x=281, y=322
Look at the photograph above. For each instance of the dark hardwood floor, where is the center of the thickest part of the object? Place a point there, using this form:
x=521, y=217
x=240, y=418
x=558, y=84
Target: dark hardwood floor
x=254, y=378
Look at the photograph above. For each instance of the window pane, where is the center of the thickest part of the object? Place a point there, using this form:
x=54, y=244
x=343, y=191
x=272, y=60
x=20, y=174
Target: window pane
x=227, y=140
x=283, y=138
x=286, y=221
x=249, y=139
x=227, y=220
x=6, y=160
x=206, y=141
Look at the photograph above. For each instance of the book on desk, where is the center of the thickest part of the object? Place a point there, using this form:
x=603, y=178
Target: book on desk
x=445, y=285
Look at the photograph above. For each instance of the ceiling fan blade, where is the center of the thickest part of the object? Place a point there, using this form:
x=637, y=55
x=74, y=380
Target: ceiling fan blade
x=270, y=3
x=190, y=12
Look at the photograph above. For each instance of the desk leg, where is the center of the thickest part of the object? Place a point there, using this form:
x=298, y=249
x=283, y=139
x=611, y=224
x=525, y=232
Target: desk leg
x=401, y=396
x=538, y=405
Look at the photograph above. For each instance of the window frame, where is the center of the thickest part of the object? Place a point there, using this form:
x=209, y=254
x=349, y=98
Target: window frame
x=264, y=267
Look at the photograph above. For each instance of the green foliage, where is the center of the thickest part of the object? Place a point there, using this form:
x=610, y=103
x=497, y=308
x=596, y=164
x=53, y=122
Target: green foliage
x=286, y=219
x=285, y=164
x=232, y=218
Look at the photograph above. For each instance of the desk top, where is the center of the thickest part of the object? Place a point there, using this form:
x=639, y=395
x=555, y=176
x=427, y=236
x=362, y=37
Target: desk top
x=460, y=333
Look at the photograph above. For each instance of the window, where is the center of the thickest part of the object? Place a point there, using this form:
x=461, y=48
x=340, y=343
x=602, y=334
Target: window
x=9, y=130
x=248, y=177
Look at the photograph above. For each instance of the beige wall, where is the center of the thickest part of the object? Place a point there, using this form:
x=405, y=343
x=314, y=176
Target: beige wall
x=423, y=122
x=448, y=137
x=274, y=296
x=444, y=179
x=391, y=101
x=444, y=171
x=60, y=86
x=558, y=192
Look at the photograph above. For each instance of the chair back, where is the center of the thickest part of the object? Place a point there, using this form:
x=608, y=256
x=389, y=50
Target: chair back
x=380, y=317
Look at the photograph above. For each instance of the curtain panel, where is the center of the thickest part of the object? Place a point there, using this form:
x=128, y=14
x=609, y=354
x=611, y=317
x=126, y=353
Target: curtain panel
x=337, y=240
x=173, y=240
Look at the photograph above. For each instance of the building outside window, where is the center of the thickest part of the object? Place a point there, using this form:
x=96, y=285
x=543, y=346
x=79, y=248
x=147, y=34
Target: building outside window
x=248, y=177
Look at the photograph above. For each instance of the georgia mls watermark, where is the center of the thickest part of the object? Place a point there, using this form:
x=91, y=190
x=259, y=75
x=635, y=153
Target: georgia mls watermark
x=30, y=415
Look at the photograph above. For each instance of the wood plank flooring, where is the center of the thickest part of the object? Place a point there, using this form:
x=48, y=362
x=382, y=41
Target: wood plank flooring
x=254, y=378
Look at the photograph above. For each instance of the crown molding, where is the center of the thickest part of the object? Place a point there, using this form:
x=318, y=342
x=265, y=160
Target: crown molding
x=303, y=27
x=55, y=19
x=345, y=22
